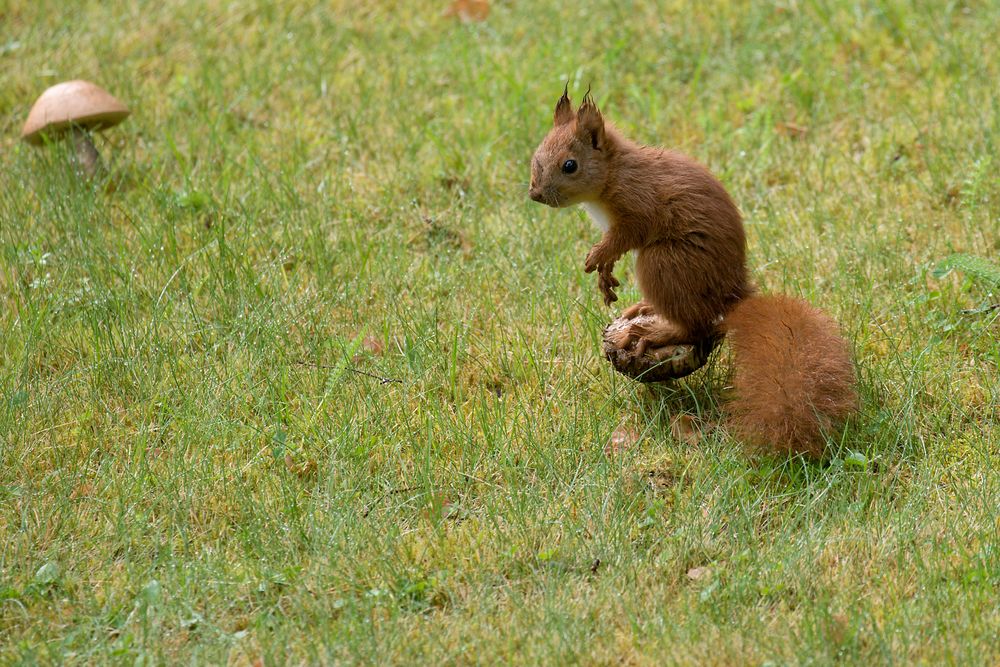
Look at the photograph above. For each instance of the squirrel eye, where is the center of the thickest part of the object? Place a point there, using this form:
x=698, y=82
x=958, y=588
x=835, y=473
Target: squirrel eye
x=569, y=166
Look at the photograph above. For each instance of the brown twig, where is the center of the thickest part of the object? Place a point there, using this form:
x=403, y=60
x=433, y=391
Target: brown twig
x=391, y=492
x=382, y=380
x=979, y=311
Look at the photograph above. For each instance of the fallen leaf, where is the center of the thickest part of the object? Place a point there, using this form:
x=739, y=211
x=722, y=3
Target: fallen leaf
x=469, y=11
x=685, y=428
x=623, y=438
x=840, y=626
x=660, y=479
x=793, y=130
x=953, y=194
x=441, y=508
x=455, y=183
x=84, y=490
x=303, y=470
x=373, y=345
x=696, y=573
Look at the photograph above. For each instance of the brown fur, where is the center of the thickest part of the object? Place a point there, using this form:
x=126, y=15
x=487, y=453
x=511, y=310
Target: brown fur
x=794, y=381
x=687, y=231
x=691, y=268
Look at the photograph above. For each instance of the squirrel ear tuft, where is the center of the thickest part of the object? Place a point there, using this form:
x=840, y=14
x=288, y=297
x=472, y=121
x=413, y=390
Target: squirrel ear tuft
x=590, y=122
x=564, y=108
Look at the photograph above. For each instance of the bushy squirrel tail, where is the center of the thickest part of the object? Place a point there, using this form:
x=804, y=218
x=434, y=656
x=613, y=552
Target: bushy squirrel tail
x=794, y=382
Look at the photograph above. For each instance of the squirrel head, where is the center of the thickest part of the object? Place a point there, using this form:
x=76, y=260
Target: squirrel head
x=571, y=164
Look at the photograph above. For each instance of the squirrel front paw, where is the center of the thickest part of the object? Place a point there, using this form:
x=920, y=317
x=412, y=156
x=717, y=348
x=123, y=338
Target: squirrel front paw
x=598, y=258
x=606, y=282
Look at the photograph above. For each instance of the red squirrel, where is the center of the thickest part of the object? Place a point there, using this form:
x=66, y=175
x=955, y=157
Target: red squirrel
x=794, y=379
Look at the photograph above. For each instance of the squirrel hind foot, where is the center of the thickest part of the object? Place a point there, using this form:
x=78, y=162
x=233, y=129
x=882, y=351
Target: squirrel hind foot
x=656, y=332
x=637, y=310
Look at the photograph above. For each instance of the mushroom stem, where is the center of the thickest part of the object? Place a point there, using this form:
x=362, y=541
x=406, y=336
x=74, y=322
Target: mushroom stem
x=88, y=160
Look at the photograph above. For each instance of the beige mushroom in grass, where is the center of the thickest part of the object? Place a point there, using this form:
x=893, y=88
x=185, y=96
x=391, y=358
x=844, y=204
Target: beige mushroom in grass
x=74, y=109
x=654, y=365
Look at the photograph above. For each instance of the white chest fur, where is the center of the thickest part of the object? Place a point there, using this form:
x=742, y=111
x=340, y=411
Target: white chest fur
x=598, y=214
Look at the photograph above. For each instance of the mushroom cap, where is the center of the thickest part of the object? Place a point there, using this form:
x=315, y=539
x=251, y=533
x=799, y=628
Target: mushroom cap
x=662, y=365
x=72, y=103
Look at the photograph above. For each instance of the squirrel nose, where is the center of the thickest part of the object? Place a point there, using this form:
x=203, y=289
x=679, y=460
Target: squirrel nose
x=535, y=194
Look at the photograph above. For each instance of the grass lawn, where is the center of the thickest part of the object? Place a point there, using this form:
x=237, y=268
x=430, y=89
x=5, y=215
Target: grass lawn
x=308, y=379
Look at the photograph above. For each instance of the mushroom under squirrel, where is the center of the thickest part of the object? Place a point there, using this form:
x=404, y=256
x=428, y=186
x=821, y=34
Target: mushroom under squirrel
x=794, y=380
